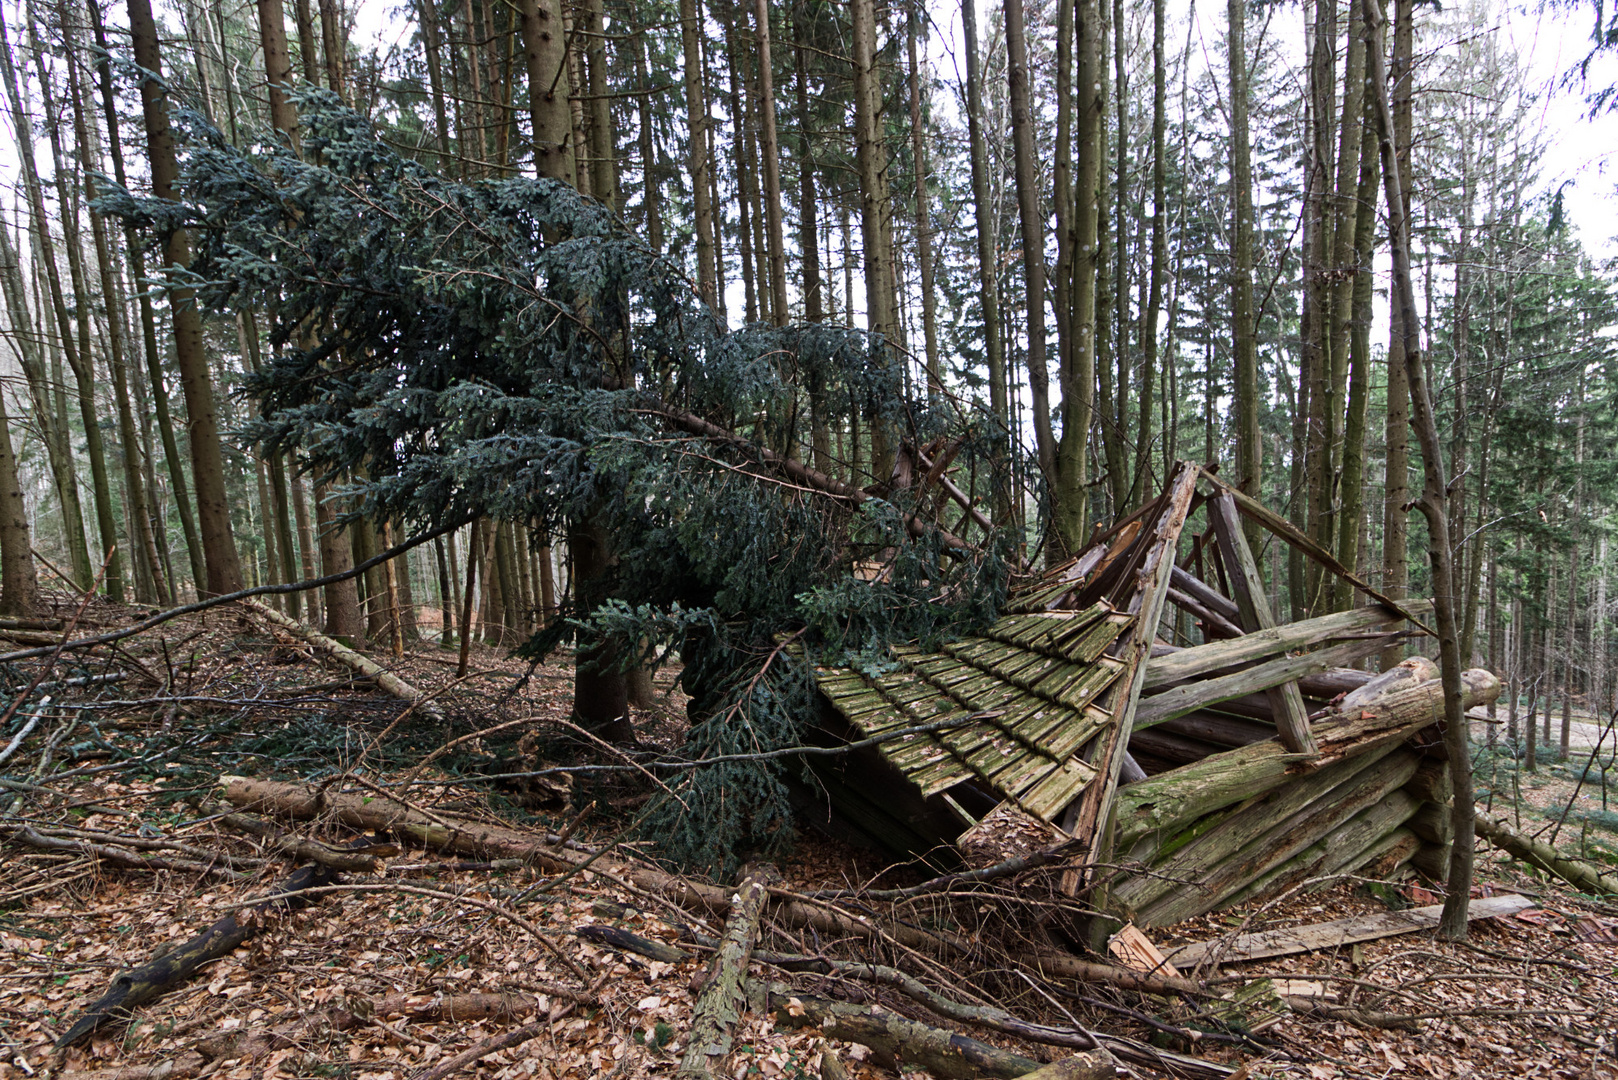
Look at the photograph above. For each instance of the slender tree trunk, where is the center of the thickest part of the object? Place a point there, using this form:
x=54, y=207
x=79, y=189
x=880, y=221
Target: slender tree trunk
x=207, y=462
x=924, y=224
x=331, y=40
x=545, y=55
x=1244, y=341
x=19, y=581
x=876, y=222
x=1032, y=218
x=308, y=56
x=697, y=124
x=650, y=170
x=148, y=322
x=427, y=19
x=1159, y=256
x=988, y=258
x=1396, y=486
x=603, y=146
x=1079, y=367
x=1453, y=922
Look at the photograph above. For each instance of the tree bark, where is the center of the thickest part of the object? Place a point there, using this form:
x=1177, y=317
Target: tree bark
x=697, y=164
x=724, y=998
x=224, y=574
x=545, y=55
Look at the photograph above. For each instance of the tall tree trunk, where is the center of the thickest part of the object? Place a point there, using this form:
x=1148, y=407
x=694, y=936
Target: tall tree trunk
x=876, y=221
x=77, y=349
x=308, y=55
x=988, y=259
x=331, y=40
x=770, y=151
x=427, y=19
x=148, y=323
x=924, y=223
x=207, y=462
x=697, y=162
x=545, y=55
x=1243, y=332
x=1396, y=486
x=19, y=581
x=1032, y=218
x=603, y=146
x=650, y=169
x=809, y=247
x=1314, y=398
x=1079, y=367
x=1453, y=922
x=1159, y=256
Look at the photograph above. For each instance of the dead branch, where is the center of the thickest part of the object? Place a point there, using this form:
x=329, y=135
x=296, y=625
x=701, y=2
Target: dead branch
x=724, y=998
x=1581, y=875
x=116, y=854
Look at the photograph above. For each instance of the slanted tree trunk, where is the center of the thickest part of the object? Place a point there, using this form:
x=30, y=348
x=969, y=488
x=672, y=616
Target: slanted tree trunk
x=1243, y=332
x=1453, y=923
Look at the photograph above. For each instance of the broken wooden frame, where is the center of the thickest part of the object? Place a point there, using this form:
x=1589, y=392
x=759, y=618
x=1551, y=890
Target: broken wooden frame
x=1141, y=706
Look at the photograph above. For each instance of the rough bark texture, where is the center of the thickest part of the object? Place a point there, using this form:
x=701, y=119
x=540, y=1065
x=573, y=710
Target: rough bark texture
x=348, y=657
x=724, y=997
x=1581, y=875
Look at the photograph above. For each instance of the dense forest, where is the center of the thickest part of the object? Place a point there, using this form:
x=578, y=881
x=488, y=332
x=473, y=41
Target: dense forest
x=280, y=299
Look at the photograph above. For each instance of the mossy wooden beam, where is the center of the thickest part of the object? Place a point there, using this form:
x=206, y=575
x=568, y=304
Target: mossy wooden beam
x=1167, y=667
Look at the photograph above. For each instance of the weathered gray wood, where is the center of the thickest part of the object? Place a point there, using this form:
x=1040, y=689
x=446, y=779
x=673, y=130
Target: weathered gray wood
x=1169, y=800
x=1211, y=598
x=1218, y=728
x=1168, y=667
x=1169, y=747
x=1199, y=694
x=1253, y=608
x=1431, y=823
x=942, y=1053
x=1213, y=623
x=724, y=998
x=1334, y=934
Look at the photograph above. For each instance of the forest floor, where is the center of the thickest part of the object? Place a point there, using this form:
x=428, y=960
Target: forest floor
x=357, y=983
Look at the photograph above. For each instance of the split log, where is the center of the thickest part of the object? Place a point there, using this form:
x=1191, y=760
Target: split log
x=1224, y=859
x=1581, y=875
x=480, y=840
x=1200, y=693
x=724, y=998
x=347, y=656
x=167, y=970
x=1171, y=800
x=1405, y=675
x=894, y=1038
x=1168, y=667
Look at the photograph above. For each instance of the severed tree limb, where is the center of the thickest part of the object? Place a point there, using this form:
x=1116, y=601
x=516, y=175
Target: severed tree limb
x=1581, y=875
x=165, y=971
x=344, y=655
x=116, y=854
x=724, y=998
x=298, y=847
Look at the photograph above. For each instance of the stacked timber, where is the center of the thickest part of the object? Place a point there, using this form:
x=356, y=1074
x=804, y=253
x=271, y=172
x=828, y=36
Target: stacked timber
x=1249, y=822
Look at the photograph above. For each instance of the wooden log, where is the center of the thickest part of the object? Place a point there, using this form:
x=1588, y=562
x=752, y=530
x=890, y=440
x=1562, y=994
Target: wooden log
x=1261, y=835
x=1186, y=582
x=618, y=938
x=1171, y=747
x=1170, y=800
x=297, y=847
x=1432, y=782
x=1581, y=875
x=1220, y=729
x=1324, y=686
x=1405, y=675
x=1431, y=861
x=1172, y=667
x=480, y=840
x=1431, y=822
x=1339, y=849
x=1383, y=860
x=169, y=969
x=724, y=997
x=1253, y=607
x=348, y=657
x=1214, y=624
x=943, y=1053
x=1197, y=694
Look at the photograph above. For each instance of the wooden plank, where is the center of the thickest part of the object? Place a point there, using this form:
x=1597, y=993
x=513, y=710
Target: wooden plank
x=1253, y=509
x=1189, y=697
x=1176, y=666
x=1153, y=580
x=1253, y=608
x=1338, y=932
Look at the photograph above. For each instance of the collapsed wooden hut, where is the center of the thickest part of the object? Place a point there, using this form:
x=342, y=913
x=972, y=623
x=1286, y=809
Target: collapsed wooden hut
x=1141, y=708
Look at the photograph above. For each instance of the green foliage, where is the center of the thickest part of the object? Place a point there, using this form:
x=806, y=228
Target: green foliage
x=509, y=349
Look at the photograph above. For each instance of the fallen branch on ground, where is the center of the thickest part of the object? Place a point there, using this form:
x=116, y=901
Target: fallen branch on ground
x=1581, y=875
x=724, y=998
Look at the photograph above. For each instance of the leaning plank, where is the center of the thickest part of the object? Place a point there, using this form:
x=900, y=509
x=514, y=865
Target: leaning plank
x=943, y=1053
x=1285, y=671
x=1338, y=932
x=724, y=998
x=483, y=841
x=1175, y=666
x=1581, y=875
x=164, y=972
x=1253, y=607
x=344, y=655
